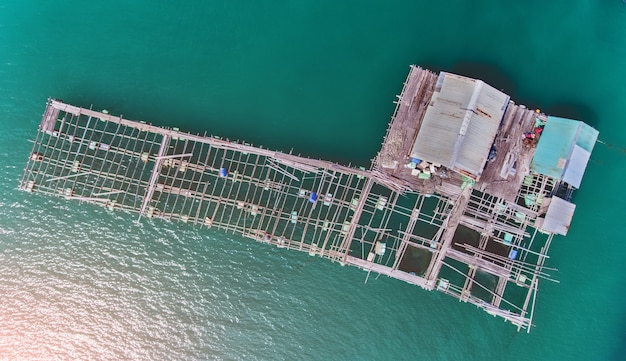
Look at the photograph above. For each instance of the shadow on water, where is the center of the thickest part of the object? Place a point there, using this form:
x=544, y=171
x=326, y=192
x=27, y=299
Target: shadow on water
x=497, y=77
x=490, y=73
x=576, y=111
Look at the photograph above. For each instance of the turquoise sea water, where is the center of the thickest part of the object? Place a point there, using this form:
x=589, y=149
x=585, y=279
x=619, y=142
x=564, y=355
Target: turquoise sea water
x=78, y=282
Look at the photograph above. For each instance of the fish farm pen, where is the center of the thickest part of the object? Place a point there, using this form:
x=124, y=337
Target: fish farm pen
x=464, y=197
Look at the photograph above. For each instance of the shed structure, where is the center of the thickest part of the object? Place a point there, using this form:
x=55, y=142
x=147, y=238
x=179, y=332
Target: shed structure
x=564, y=149
x=460, y=124
x=559, y=216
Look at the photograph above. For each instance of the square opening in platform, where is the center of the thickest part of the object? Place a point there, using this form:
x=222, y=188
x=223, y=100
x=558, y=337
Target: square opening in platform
x=465, y=236
x=415, y=260
x=497, y=248
x=484, y=285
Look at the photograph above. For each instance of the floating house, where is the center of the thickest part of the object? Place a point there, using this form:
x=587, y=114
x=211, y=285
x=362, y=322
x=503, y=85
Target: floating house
x=464, y=196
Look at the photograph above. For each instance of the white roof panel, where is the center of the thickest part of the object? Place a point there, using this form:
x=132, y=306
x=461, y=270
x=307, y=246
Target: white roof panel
x=559, y=216
x=576, y=165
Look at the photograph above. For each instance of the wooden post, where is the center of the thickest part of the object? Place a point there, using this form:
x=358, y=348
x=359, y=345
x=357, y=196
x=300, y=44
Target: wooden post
x=156, y=170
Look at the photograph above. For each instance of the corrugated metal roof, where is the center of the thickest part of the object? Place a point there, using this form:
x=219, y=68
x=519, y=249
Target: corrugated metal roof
x=564, y=150
x=460, y=124
x=559, y=216
x=575, y=168
x=587, y=137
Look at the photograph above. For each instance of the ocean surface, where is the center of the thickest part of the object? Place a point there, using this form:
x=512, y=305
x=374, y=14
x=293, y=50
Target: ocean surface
x=80, y=283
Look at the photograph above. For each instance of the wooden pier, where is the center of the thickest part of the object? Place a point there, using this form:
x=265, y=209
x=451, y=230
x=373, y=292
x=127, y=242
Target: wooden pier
x=478, y=239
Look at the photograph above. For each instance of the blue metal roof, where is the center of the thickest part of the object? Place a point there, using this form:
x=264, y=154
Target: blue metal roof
x=564, y=149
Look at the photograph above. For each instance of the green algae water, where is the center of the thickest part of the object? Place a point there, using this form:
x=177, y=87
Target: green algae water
x=319, y=77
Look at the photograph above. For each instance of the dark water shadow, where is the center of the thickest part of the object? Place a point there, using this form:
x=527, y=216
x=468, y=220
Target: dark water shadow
x=573, y=110
x=496, y=76
x=490, y=73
